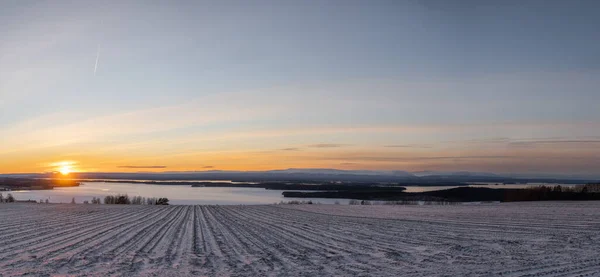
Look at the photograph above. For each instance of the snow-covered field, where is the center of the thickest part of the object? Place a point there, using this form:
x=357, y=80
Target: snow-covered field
x=514, y=239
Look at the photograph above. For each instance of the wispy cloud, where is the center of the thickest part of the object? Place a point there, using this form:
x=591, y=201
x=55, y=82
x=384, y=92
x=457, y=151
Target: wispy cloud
x=408, y=146
x=290, y=149
x=208, y=167
x=142, y=166
x=327, y=145
x=554, y=143
x=413, y=159
x=97, y=58
x=486, y=140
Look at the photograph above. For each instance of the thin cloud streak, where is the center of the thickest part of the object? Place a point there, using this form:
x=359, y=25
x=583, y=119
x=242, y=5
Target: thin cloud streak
x=97, y=58
x=538, y=142
x=290, y=149
x=412, y=159
x=408, y=146
x=326, y=145
x=142, y=166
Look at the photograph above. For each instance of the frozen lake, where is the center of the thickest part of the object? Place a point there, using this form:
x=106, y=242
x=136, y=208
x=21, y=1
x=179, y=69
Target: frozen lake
x=178, y=194
x=186, y=195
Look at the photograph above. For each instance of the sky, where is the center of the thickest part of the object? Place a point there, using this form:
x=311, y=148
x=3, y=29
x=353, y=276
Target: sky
x=494, y=86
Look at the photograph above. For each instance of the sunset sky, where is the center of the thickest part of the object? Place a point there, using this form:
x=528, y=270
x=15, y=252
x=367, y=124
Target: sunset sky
x=129, y=86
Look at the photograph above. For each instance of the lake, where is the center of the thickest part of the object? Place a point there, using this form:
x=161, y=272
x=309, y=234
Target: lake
x=177, y=194
x=186, y=195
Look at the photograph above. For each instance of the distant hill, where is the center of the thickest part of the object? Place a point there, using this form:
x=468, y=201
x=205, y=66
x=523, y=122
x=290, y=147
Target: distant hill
x=271, y=175
x=455, y=173
x=326, y=175
x=340, y=172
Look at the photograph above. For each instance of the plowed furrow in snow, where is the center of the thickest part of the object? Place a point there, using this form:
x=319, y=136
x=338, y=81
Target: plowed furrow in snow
x=71, y=230
x=159, y=250
x=517, y=239
x=22, y=232
x=57, y=253
x=100, y=250
x=322, y=247
x=266, y=252
x=117, y=231
x=233, y=249
x=338, y=236
x=212, y=260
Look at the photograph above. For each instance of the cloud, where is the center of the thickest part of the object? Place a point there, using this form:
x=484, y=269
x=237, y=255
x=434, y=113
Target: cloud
x=290, y=149
x=408, y=146
x=348, y=163
x=142, y=166
x=326, y=145
x=554, y=143
x=413, y=159
x=487, y=140
x=208, y=166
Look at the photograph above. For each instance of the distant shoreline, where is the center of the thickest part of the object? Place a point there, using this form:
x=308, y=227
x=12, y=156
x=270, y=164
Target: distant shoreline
x=463, y=194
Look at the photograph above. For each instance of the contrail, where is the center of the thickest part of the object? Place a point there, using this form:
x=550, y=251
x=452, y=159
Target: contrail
x=97, y=57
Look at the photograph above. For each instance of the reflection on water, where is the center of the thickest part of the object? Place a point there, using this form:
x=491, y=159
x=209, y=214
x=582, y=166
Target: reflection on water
x=186, y=195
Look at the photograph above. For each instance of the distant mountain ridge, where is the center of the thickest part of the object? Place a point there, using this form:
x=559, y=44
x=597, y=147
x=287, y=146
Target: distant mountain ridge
x=454, y=173
x=326, y=175
x=341, y=171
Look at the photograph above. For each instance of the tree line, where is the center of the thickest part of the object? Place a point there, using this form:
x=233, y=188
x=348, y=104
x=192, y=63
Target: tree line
x=123, y=199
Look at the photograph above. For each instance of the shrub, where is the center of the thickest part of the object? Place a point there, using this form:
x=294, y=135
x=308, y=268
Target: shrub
x=151, y=201
x=296, y=202
x=136, y=200
x=354, y=202
x=122, y=199
x=109, y=199
x=10, y=198
x=162, y=201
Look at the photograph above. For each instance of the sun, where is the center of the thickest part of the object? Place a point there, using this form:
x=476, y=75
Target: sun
x=65, y=169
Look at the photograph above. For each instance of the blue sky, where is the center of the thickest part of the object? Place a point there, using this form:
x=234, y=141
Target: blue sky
x=503, y=86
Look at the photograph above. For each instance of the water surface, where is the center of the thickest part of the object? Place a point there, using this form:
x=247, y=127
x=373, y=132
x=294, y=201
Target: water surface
x=184, y=194
x=178, y=194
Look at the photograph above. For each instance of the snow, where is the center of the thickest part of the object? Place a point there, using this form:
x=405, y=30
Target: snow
x=503, y=239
